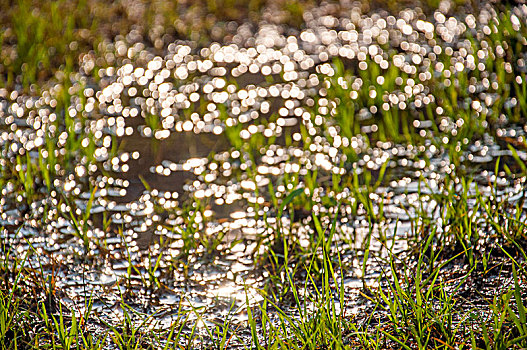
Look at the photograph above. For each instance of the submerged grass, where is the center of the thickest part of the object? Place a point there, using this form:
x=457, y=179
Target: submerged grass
x=459, y=283
x=42, y=40
x=417, y=303
x=422, y=299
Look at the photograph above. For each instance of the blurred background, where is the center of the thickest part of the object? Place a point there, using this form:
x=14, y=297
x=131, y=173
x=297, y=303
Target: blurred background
x=40, y=38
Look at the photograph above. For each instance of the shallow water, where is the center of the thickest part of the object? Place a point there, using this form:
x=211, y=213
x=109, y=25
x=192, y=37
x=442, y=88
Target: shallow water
x=175, y=155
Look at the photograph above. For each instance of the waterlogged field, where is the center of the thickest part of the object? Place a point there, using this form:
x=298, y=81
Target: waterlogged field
x=344, y=178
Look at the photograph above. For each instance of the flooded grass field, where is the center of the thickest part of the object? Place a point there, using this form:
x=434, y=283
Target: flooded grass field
x=270, y=175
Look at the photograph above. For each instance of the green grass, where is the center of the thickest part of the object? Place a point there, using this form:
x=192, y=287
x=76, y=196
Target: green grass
x=417, y=301
x=43, y=40
x=459, y=282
